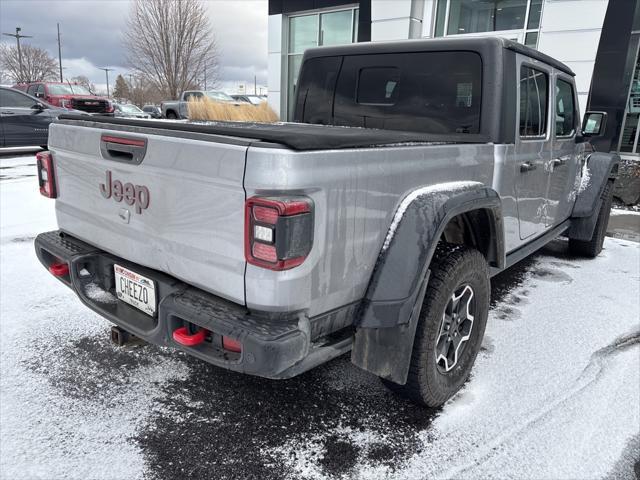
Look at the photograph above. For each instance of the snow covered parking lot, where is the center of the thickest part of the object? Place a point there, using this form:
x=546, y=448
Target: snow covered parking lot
x=555, y=392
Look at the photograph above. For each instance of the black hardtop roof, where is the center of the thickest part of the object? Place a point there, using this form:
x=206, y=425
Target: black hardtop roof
x=436, y=44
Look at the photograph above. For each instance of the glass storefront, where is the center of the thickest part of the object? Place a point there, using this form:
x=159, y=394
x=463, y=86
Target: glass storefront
x=630, y=132
x=317, y=29
x=515, y=19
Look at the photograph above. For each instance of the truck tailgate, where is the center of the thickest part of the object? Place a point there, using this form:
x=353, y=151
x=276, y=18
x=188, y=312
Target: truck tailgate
x=191, y=227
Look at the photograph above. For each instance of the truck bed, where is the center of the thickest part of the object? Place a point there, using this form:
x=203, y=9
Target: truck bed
x=296, y=136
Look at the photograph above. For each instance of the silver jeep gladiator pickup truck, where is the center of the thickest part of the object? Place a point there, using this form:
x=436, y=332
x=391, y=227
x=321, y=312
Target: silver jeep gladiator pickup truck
x=414, y=172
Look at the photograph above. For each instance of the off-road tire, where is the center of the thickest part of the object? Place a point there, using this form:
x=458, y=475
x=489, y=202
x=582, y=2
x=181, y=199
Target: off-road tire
x=452, y=266
x=172, y=116
x=591, y=248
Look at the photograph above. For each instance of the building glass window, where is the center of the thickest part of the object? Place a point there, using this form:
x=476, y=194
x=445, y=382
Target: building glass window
x=520, y=18
x=472, y=16
x=303, y=33
x=336, y=28
x=531, y=39
x=535, y=12
x=317, y=29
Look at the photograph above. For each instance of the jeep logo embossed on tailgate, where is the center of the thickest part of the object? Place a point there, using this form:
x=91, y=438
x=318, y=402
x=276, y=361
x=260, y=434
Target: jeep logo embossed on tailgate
x=130, y=193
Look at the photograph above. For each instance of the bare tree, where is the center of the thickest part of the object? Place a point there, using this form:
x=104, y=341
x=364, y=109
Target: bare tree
x=37, y=65
x=84, y=81
x=171, y=43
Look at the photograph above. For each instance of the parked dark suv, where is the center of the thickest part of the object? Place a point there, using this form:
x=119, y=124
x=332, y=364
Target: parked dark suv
x=24, y=120
x=68, y=95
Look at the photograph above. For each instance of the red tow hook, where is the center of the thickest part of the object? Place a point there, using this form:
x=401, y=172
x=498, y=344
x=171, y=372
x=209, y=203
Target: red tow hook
x=181, y=335
x=59, y=269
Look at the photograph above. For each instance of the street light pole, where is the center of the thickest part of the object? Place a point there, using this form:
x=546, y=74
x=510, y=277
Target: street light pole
x=17, y=36
x=59, y=54
x=106, y=71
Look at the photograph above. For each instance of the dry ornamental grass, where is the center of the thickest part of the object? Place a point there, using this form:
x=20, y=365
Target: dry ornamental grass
x=209, y=110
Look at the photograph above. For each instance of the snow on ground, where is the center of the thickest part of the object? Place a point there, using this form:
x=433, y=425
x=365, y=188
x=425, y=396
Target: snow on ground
x=554, y=394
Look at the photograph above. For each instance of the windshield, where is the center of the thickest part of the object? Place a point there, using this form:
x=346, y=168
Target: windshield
x=68, y=89
x=130, y=109
x=219, y=96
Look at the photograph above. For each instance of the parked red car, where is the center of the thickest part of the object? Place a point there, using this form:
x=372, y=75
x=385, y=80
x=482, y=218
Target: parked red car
x=68, y=95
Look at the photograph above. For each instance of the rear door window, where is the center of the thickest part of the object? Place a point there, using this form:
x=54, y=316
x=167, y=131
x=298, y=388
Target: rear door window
x=534, y=88
x=432, y=92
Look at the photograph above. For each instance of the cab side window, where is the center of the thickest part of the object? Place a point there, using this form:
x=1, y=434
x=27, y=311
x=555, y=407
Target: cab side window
x=534, y=91
x=565, y=109
x=40, y=91
x=32, y=89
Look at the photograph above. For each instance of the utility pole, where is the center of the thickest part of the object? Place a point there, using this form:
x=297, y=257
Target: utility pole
x=106, y=71
x=17, y=36
x=205, y=77
x=60, y=54
x=255, y=85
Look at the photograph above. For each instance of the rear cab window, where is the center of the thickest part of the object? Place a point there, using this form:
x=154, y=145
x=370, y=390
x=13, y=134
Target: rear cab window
x=430, y=92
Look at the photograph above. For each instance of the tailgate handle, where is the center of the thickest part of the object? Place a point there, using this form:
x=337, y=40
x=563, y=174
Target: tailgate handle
x=123, y=149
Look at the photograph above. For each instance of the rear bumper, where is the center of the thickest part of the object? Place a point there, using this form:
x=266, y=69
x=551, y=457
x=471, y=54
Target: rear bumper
x=273, y=345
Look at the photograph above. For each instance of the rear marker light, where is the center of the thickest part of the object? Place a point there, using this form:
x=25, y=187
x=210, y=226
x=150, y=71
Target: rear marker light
x=46, y=175
x=278, y=231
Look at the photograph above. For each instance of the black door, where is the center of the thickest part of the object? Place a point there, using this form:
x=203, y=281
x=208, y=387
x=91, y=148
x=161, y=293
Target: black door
x=22, y=122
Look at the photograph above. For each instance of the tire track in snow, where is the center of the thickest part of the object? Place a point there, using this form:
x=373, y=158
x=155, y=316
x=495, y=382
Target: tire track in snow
x=590, y=375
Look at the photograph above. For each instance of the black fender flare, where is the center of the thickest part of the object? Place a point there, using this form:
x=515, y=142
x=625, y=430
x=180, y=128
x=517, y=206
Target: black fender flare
x=387, y=320
x=600, y=168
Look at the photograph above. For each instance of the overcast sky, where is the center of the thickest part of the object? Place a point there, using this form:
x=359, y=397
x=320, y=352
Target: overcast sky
x=92, y=30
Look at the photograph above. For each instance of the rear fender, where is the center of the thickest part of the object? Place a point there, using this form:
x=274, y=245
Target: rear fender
x=389, y=314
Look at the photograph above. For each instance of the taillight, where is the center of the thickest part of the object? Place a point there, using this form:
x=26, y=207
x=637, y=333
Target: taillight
x=110, y=107
x=46, y=174
x=278, y=231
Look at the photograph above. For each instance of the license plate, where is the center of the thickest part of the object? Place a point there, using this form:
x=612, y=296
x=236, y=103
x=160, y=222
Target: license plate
x=135, y=289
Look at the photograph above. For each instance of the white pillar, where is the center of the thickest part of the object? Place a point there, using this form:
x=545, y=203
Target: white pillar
x=396, y=19
x=276, y=56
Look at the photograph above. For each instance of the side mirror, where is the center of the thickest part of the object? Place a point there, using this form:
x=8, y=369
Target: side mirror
x=594, y=124
x=38, y=106
x=39, y=95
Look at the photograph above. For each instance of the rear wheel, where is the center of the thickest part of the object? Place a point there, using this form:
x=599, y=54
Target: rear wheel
x=171, y=115
x=591, y=248
x=450, y=327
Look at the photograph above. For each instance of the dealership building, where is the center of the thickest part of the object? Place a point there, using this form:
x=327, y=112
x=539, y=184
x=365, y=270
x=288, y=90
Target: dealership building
x=597, y=39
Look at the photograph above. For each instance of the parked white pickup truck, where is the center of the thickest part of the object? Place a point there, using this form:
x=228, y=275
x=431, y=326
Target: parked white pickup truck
x=272, y=248
x=179, y=109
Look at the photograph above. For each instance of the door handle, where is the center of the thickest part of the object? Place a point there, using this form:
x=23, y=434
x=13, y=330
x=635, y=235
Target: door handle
x=8, y=113
x=527, y=167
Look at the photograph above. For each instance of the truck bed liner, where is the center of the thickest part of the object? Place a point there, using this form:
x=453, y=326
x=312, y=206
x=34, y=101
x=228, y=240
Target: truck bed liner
x=297, y=136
